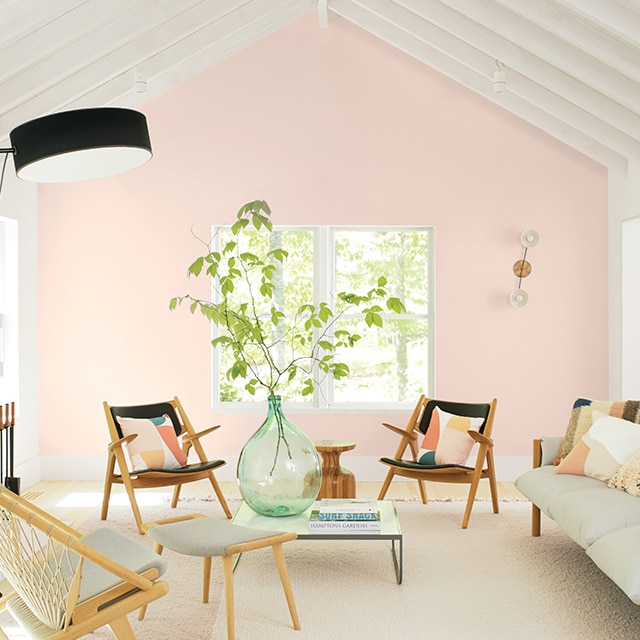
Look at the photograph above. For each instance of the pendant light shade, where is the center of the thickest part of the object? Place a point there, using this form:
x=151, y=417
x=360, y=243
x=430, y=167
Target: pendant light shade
x=80, y=145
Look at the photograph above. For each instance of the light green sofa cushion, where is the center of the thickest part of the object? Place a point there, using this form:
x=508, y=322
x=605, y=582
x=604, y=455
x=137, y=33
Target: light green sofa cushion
x=542, y=485
x=618, y=556
x=588, y=515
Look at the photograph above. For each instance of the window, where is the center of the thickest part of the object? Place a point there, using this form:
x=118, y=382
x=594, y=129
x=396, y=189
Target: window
x=390, y=366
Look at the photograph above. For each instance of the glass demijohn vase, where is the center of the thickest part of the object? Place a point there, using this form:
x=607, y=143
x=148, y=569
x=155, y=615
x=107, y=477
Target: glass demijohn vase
x=279, y=472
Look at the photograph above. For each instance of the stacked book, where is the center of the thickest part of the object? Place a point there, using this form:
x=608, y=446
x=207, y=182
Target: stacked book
x=345, y=515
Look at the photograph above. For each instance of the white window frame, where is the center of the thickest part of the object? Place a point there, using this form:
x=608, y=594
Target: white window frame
x=324, y=284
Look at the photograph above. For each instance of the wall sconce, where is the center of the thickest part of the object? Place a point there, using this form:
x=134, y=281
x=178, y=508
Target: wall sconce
x=522, y=268
x=79, y=145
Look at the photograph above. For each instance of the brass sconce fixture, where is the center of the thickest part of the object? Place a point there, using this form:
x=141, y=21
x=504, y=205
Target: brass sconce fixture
x=522, y=268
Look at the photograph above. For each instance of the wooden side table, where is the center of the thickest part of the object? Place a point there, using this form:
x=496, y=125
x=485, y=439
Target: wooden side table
x=337, y=482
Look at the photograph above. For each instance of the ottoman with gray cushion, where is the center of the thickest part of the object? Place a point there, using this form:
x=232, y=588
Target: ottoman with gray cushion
x=197, y=535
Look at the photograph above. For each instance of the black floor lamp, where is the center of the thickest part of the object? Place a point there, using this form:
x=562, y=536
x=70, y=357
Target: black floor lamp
x=67, y=147
x=79, y=145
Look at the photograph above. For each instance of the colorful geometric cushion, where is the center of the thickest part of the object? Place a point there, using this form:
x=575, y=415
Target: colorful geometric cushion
x=156, y=445
x=446, y=440
x=582, y=418
x=606, y=446
x=627, y=477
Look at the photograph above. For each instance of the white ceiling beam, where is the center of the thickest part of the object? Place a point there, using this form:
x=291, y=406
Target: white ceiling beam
x=93, y=21
x=541, y=44
x=130, y=38
x=427, y=52
x=110, y=79
x=588, y=36
x=467, y=33
x=20, y=17
x=612, y=15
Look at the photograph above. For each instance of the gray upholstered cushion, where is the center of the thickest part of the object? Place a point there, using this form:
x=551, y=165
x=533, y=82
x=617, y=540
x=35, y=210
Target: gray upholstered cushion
x=204, y=536
x=587, y=515
x=125, y=550
x=618, y=555
x=543, y=485
x=550, y=448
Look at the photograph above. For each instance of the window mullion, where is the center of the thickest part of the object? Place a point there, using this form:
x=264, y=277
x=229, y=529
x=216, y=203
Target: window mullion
x=324, y=280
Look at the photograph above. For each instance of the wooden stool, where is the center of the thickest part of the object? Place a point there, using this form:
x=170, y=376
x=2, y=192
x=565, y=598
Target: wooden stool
x=197, y=535
x=337, y=482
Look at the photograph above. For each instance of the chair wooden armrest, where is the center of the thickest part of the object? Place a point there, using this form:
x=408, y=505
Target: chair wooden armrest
x=410, y=435
x=199, y=434
x=537, y=452
x=122, y=441
x=481, y=439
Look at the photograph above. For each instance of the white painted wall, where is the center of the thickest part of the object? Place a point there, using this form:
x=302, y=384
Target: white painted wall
x=18, y=201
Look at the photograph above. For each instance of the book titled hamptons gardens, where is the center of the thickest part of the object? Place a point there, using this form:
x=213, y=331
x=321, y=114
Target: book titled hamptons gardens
x=345, y=516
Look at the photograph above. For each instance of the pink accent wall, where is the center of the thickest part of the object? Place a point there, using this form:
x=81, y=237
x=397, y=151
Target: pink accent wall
x=329, y=126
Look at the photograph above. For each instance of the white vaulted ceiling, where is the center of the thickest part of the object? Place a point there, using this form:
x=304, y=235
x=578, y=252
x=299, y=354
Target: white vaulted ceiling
x=572, y=66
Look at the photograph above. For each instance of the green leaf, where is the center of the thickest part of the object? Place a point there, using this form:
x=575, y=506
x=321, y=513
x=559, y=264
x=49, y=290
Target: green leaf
x=173, y=303
x=395, y=305
x=196, y=267
x=372, y=319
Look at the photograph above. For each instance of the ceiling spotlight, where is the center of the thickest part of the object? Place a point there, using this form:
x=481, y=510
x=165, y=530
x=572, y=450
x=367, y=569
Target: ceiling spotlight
x=500, y=81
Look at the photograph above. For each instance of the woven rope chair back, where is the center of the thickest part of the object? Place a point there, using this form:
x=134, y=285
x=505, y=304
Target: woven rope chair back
x=44, y=572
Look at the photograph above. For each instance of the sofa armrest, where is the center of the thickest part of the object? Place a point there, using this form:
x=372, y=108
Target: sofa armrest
x=550, y=448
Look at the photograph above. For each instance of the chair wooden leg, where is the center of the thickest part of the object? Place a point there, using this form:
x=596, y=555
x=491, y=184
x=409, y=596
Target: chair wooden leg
x=206, y=579
x=493, y=485
x=134, y=504
x=473, y=489
x=221, y=498
x=423, y=492
x=122, y=629
x=286, y=584
x=158, y=548
x=227, y=572
x=385, y=485
x=108, y=483
x=176, y=496
x=535, y=520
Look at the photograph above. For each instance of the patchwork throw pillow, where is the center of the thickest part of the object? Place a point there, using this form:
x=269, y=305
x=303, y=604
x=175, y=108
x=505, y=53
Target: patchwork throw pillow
x=156, y=445
x=446, y=440
x=582, y=418
x=627, y=477
x=607, y=445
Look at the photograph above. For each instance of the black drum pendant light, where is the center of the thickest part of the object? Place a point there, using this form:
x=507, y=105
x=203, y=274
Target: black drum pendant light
x=80, y=145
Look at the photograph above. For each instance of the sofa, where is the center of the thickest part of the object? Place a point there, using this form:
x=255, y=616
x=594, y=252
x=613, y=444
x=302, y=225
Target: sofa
x=601, y=515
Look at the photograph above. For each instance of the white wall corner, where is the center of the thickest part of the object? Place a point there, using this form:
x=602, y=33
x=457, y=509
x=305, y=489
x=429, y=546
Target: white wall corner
x=624, y=204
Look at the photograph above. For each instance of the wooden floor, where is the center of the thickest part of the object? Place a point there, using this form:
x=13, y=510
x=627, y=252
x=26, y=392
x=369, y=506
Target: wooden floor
x=74, y=502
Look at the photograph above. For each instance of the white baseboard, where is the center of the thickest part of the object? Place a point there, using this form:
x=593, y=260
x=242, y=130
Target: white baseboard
x=366, y=469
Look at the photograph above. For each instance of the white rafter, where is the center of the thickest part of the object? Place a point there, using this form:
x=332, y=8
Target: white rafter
x=573, y=66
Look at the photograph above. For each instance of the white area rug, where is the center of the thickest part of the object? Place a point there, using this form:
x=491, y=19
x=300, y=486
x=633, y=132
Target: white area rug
x=491, y=581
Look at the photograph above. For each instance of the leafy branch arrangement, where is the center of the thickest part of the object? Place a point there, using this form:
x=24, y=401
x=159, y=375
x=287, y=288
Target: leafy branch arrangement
x=272, y=349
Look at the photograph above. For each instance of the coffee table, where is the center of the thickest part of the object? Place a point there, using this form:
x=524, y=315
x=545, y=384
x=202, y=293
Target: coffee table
x=390, y=527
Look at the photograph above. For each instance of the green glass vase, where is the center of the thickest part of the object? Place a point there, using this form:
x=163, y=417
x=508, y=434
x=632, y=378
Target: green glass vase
x=279, y=472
